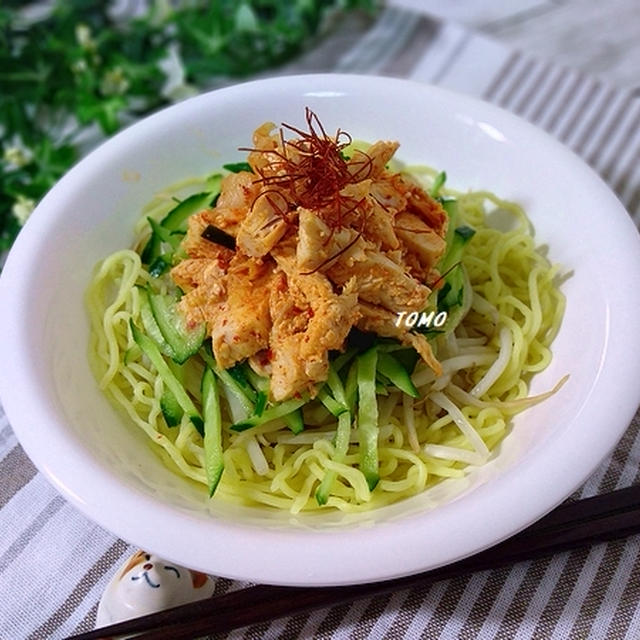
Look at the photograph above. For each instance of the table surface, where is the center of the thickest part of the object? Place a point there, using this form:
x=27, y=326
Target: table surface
x=572, y=69
x=601, y=38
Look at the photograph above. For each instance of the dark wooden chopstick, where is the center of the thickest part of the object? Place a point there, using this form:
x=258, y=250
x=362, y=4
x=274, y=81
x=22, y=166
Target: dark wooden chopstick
x=569, y=526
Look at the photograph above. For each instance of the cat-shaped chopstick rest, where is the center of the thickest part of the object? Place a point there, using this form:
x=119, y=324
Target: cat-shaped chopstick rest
x=146, y=584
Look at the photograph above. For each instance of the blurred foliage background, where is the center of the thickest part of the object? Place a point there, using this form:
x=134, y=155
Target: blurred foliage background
x=78, y=70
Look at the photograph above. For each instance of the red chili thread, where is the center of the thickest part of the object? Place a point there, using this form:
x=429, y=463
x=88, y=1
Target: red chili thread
x=314, y=171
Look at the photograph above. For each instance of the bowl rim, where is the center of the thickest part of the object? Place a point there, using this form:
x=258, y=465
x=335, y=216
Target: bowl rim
x=617, y=370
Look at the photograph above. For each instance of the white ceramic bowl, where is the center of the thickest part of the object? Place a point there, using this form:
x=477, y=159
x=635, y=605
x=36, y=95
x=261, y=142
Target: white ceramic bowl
x=103, y=466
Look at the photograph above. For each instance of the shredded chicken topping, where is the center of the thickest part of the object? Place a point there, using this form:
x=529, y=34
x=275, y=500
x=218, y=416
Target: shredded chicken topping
x=323, y=243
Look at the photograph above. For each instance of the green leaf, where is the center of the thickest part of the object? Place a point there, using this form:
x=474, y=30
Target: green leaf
x=245, y=18
x=236, y=167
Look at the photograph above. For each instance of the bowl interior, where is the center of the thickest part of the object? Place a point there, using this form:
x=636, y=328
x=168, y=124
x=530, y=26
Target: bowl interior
x=105, y=467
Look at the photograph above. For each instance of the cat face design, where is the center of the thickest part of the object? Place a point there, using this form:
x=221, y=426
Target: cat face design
x=147, y=583
x=156, y=572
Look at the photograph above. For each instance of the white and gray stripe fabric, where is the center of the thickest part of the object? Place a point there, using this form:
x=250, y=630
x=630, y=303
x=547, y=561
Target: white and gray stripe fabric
x=54, y=563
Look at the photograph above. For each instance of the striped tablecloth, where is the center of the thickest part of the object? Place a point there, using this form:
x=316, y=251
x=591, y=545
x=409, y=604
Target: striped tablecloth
x=55, y=564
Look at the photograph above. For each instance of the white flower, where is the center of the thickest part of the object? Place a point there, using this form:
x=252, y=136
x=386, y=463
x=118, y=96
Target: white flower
x=22, y=208
x=79, y=66
x=114, y=82
x=84, y=37
x=16, y=154
x=175, y=88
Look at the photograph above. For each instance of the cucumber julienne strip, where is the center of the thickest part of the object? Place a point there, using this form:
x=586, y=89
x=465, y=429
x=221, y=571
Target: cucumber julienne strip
x=260, y=383
x=238, y=372
x=341, y=446
x=173, y=221
x=438, y=183
x=150, y=325
x=172, y=383
x=368, y=416
x=276, y=411
x=351, y=387
x=340, y=361
x=334, y=407
x=396, y=373
x=295, y=421
x=261, y=403
x=183, y=342
x=241, y=393
x=177, y=217
x=335, y=384
x=213, y=455
x=171, y=409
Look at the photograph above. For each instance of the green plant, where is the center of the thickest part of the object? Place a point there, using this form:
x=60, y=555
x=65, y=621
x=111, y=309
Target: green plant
x=74, y=70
